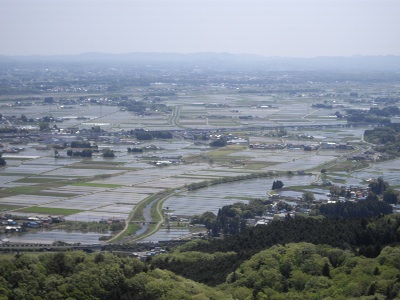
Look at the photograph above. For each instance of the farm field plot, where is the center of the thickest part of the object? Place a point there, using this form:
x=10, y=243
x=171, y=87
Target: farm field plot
x=129, y=178
x=5, y=180
x=300, y=163
x=135, y=163
x=12, y=161
x=48, y=160
x=187, y=111
x=168, y=145
x=193, y=122
x=30, y=169
x=115, y=209
x=29, y=200
x=79, y=172
x=217, y=172
x=96, y=216
x=389, y=170
x=138, y=190
x=96, y=200
x=349, y=178
x=37, y=165
x=147, y=176
x=16, y=184
x=185, y=206
x=214, y=197
x=285, y=160
x=258, y=122
x=220, y=171
x=34, y=110
x=171, y=182
x=338, y=134
x=165, y=234
x=223, y=122
x=71, y=189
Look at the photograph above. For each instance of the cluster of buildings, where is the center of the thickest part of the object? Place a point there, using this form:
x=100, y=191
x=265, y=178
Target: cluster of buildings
x=12, y=150
x=369, y=156
x=150, y=253
x=264, y=146
x=352, y=193
x=348, y=193
x=11, y=225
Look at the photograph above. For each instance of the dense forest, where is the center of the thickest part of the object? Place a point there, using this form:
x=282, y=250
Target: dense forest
x=360, y=236
x=291, y=271
x=77, y=275
x=295, y=258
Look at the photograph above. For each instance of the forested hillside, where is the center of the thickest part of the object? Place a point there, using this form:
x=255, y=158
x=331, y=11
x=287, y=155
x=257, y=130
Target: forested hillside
x=292, y=271
x=77, y=275
x=360, y=236
x=290, y=259
x=307, y=271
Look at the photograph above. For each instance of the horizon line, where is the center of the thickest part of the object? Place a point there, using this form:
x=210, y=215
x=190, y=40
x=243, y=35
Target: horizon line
x=194, y=53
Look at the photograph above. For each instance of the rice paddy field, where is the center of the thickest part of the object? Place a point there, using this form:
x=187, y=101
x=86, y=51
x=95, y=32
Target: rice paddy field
x=34, y=182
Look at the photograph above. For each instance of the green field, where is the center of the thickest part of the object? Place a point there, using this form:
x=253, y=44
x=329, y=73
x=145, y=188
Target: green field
x=100, y=185
x=49, y=210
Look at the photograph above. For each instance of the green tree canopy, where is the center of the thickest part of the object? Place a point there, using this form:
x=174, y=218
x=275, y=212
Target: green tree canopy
x=390, y=196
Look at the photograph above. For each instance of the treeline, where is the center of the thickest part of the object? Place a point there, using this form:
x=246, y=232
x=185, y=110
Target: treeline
x=89, y=152
x=76, y=275
x=135, y=106
x=361, y=209
x=375, y=115
x=219, y=143
x=277, y=184
x=360, y=236
x=13, y=130
x=142, y=134
x=322, y=105
x=386, y=138
x=203, y=184
x=231, y=219
x=207, y=268
x=307, y=271
x=2, y=160
x=267, y=262
x=83, y=153
x=81, y=144
x=135, y=150
x=142, y=107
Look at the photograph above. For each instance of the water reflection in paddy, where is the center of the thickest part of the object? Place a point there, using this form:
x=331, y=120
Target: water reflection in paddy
x=166, y=235
x=214, y=197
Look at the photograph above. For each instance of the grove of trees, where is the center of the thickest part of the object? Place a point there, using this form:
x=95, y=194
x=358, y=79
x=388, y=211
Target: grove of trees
x=2, y=160
x=83, y=153
x=277, y=184
x=108, y=153
x=386, y=138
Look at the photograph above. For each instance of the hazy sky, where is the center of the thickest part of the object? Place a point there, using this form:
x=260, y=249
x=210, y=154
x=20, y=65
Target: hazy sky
x=298, y=28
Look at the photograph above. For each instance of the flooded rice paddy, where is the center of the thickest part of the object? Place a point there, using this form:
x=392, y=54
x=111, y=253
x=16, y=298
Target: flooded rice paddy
x=136, y=179
x=214, y=197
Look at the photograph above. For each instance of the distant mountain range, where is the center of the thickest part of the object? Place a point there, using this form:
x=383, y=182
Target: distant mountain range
x=225, y=61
